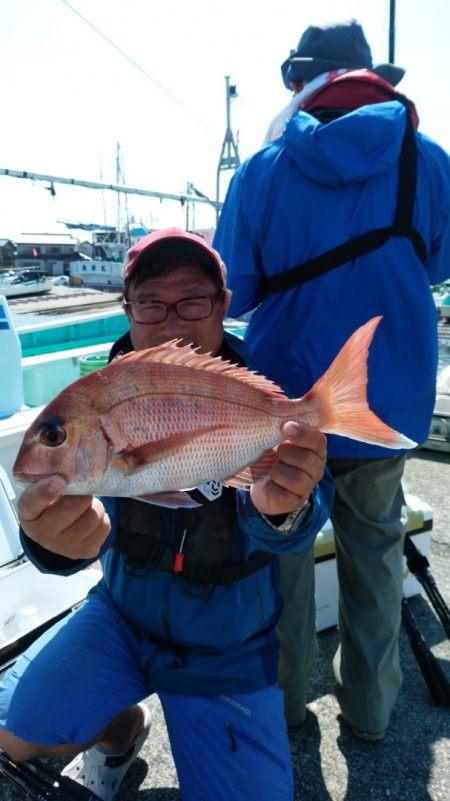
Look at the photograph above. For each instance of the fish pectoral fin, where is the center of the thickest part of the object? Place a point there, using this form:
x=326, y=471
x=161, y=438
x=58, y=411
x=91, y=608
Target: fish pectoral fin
x=132, y=459
x=254, y=472
x=171, y=500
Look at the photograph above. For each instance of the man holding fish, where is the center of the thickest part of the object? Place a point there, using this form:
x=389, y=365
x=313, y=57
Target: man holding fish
x=206, y=472
x=188, y=602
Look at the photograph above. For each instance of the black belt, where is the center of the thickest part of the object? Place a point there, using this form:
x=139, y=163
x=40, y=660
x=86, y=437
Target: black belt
x=144, y=553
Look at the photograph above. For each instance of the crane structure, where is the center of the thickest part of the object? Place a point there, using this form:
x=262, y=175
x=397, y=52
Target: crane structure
x=229, y=155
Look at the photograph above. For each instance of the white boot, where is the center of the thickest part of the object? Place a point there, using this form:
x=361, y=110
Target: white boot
x=102, y=772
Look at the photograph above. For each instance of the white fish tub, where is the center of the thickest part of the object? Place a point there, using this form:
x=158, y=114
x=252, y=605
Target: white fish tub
x=30, y=601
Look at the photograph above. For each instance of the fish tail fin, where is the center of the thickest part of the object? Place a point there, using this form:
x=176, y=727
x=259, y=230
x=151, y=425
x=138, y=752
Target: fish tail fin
x=341, y=395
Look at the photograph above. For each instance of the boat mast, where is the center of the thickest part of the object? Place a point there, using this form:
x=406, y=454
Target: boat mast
x=123, y=227
x=118, y=181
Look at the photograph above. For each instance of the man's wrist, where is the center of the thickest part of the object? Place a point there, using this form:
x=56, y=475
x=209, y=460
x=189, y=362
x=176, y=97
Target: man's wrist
x=284, y=524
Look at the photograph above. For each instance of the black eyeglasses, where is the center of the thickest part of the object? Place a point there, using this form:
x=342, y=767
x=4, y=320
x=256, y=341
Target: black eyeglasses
x=189, y=309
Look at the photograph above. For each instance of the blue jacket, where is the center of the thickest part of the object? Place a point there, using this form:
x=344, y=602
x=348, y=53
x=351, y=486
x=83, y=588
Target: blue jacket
x=314, y=188
x=202, y=642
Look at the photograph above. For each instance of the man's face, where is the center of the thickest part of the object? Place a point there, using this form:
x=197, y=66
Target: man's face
x=186, y=281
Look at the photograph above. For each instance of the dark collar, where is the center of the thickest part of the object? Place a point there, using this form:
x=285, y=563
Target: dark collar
x=226, y=351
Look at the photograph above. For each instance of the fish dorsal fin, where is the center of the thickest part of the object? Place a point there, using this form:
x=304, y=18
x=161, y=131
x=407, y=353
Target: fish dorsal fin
x=187, y=356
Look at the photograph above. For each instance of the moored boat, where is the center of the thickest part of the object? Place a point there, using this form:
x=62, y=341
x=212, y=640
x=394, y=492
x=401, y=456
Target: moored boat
x=16, y=284
x=97, y=274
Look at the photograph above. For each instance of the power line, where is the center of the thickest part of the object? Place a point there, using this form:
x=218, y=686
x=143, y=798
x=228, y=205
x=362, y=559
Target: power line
x=142, y=70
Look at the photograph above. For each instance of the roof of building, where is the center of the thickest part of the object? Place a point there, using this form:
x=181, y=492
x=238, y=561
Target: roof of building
x=46, y=239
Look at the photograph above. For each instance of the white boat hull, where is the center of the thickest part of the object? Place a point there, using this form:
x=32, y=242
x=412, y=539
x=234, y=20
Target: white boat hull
x=97, y=274
x=27, y=288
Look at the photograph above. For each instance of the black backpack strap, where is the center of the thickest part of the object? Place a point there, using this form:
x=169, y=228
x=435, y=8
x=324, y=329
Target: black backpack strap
x=143, y=553
x=371, y=240
x=199, y=573
x=406, y=194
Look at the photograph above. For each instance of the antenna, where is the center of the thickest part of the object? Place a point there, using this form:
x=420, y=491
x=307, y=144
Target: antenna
x=229, y=155
x=392, y=32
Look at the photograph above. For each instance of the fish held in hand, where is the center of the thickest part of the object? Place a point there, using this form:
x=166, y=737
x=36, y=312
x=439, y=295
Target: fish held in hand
x=160, y=420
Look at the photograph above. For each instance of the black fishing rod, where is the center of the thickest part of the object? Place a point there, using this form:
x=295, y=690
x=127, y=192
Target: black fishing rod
x=436, y=681
x=41, y=783
x=419, y=565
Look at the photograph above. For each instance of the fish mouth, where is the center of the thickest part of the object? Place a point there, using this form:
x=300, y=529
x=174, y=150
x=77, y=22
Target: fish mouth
x=24, y=480
x=22, y=484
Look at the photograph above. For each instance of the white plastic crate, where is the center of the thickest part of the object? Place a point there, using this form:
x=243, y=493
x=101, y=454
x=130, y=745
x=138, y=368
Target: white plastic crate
x=420, y=521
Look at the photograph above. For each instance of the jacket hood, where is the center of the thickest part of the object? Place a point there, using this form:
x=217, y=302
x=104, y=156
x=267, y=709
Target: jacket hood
x=361, y=144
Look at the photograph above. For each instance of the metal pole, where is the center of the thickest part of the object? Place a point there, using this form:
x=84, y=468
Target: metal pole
x=125, y=190
x=227, y=95
x=392, y=32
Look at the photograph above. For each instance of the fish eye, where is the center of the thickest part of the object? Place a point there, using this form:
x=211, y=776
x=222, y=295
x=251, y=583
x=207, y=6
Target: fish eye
x=52, y=435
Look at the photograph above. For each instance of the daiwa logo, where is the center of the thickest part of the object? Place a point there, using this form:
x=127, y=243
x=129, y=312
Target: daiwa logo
x=232, y=702
x=212, y=490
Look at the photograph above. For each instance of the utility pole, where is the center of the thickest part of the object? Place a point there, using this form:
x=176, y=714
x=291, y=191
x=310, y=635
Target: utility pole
x=229, y=155
x=392, y=32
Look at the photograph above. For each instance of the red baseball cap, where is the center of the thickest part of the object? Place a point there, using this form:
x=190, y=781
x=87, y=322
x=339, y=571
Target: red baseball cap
x=176, y=243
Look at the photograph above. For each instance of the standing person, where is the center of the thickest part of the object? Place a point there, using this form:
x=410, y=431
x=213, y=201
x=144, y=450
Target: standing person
x=344, y=215
x=199, y=632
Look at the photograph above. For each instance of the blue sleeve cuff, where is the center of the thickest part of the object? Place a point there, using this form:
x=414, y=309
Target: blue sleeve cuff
x=263, y=535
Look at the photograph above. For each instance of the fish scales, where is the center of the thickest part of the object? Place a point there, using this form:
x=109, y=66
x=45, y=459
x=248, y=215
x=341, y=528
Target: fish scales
x=224, y=448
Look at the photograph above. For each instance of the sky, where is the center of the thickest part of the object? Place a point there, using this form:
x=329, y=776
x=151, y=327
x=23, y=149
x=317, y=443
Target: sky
x=81, y=78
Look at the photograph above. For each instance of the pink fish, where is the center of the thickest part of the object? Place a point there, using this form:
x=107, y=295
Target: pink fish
x=168, y=418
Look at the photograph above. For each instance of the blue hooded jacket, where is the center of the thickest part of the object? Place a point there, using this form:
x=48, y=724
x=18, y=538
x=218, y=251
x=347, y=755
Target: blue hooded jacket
x=314, y=188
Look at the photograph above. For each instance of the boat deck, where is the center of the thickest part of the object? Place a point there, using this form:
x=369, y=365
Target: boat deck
x=64, y=299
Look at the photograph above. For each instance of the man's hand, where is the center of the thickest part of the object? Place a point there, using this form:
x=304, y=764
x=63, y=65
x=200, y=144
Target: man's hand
x=299, y=467
x=74, y=526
